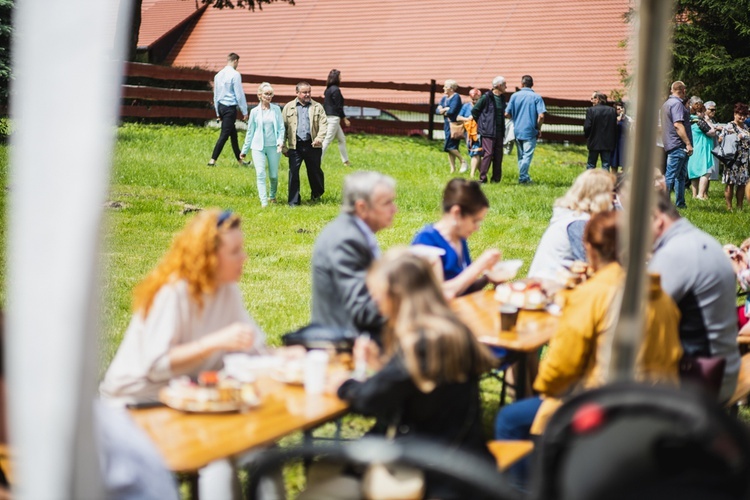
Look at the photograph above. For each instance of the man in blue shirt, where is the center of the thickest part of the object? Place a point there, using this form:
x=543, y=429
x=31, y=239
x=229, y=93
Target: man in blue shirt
x=678, y=141
x=228, y=94
x=527, y=109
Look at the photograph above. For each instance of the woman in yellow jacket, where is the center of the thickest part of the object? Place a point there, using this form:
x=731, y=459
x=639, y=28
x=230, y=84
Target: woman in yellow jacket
x=579, y=353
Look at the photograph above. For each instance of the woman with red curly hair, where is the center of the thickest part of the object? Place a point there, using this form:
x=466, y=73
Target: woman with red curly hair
x=188, y=312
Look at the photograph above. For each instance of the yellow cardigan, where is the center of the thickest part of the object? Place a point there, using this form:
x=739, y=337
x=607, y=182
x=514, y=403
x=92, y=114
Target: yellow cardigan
x=578, y=354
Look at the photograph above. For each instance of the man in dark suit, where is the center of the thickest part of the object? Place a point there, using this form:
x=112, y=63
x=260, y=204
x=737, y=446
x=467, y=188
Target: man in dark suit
x=600, y=129
x=344, y=250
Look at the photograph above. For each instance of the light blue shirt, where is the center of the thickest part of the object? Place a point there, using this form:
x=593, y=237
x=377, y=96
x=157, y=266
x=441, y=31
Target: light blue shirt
x=303, y=121
x=228, y=90
x=524, y=107
x=372, y=242
x=257, y=126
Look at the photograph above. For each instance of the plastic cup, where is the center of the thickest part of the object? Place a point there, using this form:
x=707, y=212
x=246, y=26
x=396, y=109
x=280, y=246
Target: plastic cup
x=508, y=317
x=316, y=366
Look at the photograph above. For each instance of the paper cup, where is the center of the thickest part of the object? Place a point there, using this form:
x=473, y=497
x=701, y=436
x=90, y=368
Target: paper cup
x=316, y=366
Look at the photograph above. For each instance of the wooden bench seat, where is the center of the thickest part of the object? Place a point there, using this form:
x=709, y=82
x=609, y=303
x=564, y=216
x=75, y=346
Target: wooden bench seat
x=507, y=453
x=743, y=382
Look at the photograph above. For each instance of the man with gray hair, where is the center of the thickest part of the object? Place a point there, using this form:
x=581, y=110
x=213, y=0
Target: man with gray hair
x=489, y=113
x=345, y=249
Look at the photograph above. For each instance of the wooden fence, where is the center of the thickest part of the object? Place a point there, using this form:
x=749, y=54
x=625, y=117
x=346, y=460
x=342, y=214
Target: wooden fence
x=563, y=122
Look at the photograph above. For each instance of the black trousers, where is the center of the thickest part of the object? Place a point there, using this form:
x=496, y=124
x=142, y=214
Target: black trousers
x=492, y=147
x=228, y=116
x=311, y=156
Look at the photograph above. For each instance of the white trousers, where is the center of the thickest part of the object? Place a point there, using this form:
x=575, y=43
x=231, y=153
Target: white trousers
x=335, y=131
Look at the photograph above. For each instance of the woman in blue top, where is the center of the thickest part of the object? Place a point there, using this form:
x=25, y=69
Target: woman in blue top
x=449, y=107
x=464, y=209
x=265, y=136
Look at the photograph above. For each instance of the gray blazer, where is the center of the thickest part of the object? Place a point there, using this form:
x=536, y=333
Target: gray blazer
x=340, y=260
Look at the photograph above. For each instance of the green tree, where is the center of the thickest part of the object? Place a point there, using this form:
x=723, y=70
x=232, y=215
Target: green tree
x=6, y=30
x=135, y=24
x=712, y=50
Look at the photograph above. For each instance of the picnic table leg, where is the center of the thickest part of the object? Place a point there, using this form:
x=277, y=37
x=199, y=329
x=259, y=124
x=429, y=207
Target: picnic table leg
x=521, y=377
x=307, y=438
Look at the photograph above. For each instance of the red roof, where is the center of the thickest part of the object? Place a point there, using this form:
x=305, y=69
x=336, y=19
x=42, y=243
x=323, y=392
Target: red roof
x=570, y=47
x=158, y=17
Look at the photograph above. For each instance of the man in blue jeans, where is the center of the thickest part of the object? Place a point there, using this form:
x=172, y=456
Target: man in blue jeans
x=526, y=108
x=678, y=141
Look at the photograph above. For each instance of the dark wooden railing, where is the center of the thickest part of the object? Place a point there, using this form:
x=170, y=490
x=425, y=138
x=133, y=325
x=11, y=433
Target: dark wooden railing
x=140, y=101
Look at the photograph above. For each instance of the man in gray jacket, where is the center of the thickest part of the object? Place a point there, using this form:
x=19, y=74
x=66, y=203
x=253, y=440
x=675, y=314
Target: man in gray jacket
x=345, y=249
x=699, y=277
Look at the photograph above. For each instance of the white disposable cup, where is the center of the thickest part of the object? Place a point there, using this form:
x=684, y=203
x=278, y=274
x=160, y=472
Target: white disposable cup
x=316, y=366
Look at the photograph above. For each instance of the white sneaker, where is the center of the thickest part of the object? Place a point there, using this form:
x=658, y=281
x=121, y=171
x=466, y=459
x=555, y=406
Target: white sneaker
x=464, y=168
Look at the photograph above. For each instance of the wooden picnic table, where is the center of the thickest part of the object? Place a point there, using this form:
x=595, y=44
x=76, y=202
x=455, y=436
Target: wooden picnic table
x=189, y=441
x=479, y=311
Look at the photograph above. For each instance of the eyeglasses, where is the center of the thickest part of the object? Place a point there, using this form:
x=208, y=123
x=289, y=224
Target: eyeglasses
x=223, y=217
x=269, y=94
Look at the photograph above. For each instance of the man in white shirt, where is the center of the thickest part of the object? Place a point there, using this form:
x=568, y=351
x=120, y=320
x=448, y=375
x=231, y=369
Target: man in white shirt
x=228, y=94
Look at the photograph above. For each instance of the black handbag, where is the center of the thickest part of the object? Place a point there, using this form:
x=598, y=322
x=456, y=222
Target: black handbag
x=316, y=336
x=726, y=151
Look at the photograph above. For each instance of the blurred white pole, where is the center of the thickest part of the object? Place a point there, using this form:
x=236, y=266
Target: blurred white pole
x=652, y=29
x=67, y=63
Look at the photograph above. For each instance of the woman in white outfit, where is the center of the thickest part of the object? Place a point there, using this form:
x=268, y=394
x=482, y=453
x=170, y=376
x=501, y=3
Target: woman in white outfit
x=265, y=136
x=562, y=242
x=188, y=313
x=333, y=102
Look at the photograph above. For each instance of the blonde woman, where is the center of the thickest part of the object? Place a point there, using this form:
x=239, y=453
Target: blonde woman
x=591, y=193
x=428, y=384
x=449, y=107
x=265, y=136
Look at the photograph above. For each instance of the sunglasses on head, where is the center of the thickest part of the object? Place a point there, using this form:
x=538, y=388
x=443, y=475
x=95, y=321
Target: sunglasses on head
x=223, y=217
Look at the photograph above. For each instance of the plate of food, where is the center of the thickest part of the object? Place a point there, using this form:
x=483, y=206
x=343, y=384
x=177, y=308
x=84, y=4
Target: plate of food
x=212, y=394
x=505, y=270
x=525, y=294
x=291, y=372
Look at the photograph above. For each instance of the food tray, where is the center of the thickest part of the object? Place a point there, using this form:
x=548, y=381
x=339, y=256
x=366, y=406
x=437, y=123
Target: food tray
x=167, y=396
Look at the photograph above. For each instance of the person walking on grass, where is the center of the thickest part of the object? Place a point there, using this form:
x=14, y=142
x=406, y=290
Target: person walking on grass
x=489, y=113
x=333, y=103
x=527, y=109
x=306, y=126
x=228, y=95
x=265, y=135
x=449, y=107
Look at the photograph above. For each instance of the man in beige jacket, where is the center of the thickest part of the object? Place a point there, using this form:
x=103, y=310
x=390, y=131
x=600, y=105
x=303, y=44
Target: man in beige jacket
x=306, y=125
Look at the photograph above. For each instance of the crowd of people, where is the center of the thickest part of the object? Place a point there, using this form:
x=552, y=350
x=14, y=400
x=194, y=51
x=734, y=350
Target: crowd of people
x=426, y=364
x=188, y=312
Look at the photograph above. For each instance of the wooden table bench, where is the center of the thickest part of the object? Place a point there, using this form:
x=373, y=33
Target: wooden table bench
x=743, y=382
x=507, y=453
x=479, y=311
x=189, y=441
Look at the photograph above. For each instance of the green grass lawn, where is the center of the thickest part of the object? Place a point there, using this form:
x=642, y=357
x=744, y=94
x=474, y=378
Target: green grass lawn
x=159, y=170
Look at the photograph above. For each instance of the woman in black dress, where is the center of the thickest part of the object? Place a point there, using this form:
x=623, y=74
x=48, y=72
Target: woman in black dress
x=427, y=383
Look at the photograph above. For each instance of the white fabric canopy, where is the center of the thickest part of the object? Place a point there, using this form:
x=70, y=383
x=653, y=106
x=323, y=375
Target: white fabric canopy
x=68, y=68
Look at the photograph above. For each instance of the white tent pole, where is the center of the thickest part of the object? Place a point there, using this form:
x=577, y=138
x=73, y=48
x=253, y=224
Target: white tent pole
x=653, y=27
x=67, y=63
